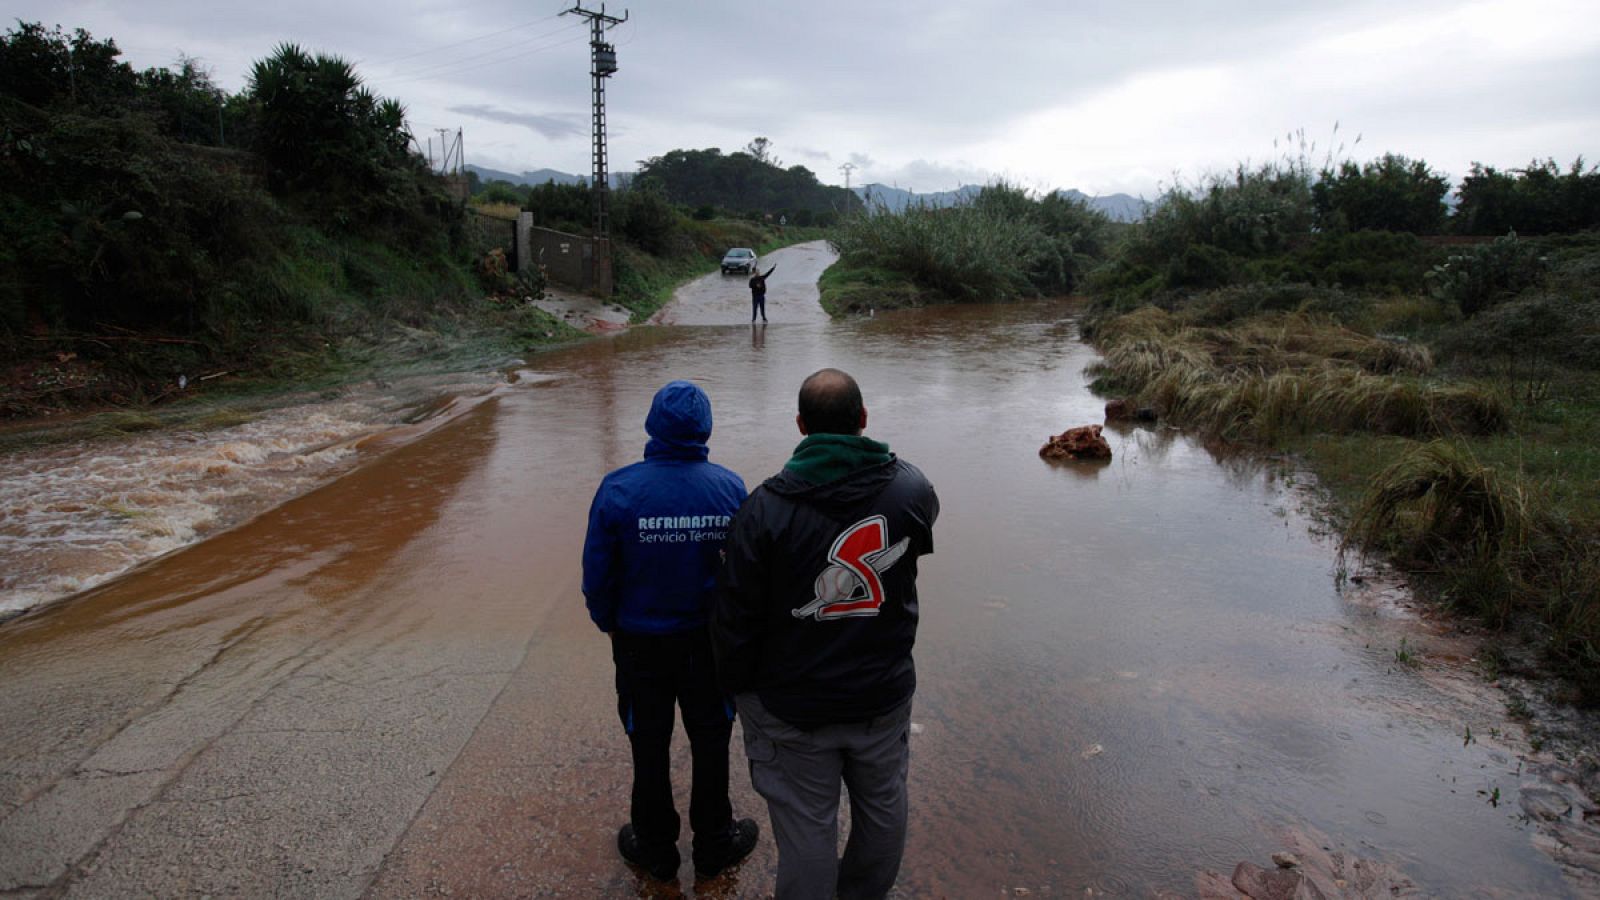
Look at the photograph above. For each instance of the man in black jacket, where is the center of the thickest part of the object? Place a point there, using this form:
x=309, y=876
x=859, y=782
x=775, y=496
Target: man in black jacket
x=813, y=626
x=758, y=293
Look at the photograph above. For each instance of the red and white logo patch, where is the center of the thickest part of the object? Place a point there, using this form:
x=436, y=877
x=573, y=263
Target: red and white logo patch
x=852, y=585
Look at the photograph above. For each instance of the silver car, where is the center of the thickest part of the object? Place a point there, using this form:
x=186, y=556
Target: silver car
x=739, y=259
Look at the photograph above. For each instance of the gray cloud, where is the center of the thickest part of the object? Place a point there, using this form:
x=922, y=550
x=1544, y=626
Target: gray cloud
x=1099, y=95
x=554, y=127
x=924, y=176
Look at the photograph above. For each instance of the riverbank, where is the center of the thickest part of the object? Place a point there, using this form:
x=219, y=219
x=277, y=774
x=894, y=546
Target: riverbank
x=1480, y=485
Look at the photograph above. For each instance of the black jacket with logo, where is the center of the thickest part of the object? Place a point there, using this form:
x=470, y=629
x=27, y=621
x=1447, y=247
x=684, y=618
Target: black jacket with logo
x=816, y=606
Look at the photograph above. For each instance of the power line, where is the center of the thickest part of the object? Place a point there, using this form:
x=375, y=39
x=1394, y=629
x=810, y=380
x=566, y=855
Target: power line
x=497, y=55
x=481, y=63
x=470, y=40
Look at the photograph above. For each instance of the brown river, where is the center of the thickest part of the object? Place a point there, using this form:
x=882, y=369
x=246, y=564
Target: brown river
x=388, y=686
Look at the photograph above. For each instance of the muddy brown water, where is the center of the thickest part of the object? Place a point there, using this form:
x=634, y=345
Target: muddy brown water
x=1128, y=672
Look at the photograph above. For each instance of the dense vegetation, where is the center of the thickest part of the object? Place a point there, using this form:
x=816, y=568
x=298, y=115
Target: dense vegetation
x=1446, y=388
x=1002, y=245
x=152, y=225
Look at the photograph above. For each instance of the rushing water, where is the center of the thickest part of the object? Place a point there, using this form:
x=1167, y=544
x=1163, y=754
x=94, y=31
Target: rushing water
x=77, y=515
x=1129, y=672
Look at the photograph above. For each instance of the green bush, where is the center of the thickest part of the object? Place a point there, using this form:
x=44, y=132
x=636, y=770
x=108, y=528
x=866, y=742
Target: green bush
x=1487, y=274
x=1249, y=213
x=1392, y=193
x=1002, y=245
x=1537, y=330
x=1200, y=266
x=1368, y=260
x=649, y=221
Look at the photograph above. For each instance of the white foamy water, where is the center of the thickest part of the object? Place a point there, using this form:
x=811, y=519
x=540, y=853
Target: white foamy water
x=74, y=516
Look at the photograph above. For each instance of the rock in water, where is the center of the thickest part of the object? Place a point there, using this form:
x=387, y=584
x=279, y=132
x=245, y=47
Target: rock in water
x=1083, y=442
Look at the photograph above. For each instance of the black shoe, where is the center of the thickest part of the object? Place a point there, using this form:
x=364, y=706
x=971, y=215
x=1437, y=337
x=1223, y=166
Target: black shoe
x=661, y=866
x=741, y=839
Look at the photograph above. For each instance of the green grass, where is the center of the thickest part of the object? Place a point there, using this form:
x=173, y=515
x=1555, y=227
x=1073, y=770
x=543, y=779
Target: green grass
x=855, y=289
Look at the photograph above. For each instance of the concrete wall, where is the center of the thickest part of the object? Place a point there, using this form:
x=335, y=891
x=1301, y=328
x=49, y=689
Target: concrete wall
x=567, y=259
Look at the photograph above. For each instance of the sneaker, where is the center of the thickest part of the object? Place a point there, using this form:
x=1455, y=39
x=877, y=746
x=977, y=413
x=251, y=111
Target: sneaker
x=741, y=840
x=662, y=866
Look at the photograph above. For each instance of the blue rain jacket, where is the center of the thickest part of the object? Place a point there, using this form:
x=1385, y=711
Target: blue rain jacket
x=656, y=527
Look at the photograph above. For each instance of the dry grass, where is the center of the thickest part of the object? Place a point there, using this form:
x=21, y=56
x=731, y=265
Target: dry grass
x=1288, y=373
x=508, y=211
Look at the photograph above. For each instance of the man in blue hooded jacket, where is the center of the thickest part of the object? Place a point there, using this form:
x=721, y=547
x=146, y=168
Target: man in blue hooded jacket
x=650, y=562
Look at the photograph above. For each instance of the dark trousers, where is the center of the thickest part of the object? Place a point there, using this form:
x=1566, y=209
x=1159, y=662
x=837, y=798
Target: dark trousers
x=758, y=304
x=654, y=674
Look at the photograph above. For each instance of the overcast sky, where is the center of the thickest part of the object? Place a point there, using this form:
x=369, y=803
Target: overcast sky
x=1106, y=96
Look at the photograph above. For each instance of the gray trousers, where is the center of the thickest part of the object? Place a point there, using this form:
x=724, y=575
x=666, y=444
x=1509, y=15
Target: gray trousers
x=799, y=772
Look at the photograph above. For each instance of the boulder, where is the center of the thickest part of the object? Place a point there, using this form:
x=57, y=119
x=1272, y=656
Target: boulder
x=1083, y=442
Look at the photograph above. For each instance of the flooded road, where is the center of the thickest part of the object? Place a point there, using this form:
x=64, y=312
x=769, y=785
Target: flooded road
x=719, y=299
x=389, y=686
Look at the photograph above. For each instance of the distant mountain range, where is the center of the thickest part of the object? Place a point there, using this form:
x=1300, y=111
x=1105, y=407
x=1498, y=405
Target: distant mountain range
x=540, y=176
x=1117, y=207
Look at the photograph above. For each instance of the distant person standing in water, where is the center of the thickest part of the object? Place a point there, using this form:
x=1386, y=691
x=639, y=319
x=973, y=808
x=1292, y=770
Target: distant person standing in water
x=758, y=294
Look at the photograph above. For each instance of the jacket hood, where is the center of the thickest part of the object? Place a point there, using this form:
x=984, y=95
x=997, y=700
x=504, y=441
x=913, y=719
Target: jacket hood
x=843, y=493
x=679, y=423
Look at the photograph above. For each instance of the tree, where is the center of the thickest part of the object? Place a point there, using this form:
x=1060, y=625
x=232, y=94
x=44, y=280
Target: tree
x=1392, y=193
x=760, y=150
x=48, y=69
x=1538, y=199
x=318, y=127
x=187, y=104
x=739, y=181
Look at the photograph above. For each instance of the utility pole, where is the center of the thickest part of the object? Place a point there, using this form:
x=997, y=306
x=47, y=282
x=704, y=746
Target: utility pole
x=603, y=63
x=847, y=168
x=444, y=152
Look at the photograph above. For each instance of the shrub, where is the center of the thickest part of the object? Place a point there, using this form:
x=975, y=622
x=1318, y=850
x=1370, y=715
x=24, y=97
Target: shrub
x=1392, y=193
x=1486, y=274
x=1200, y=266
x=1248, y=213
x=649, y=221
x=1539, y=330
x=1368, y=260
x=966, y=253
